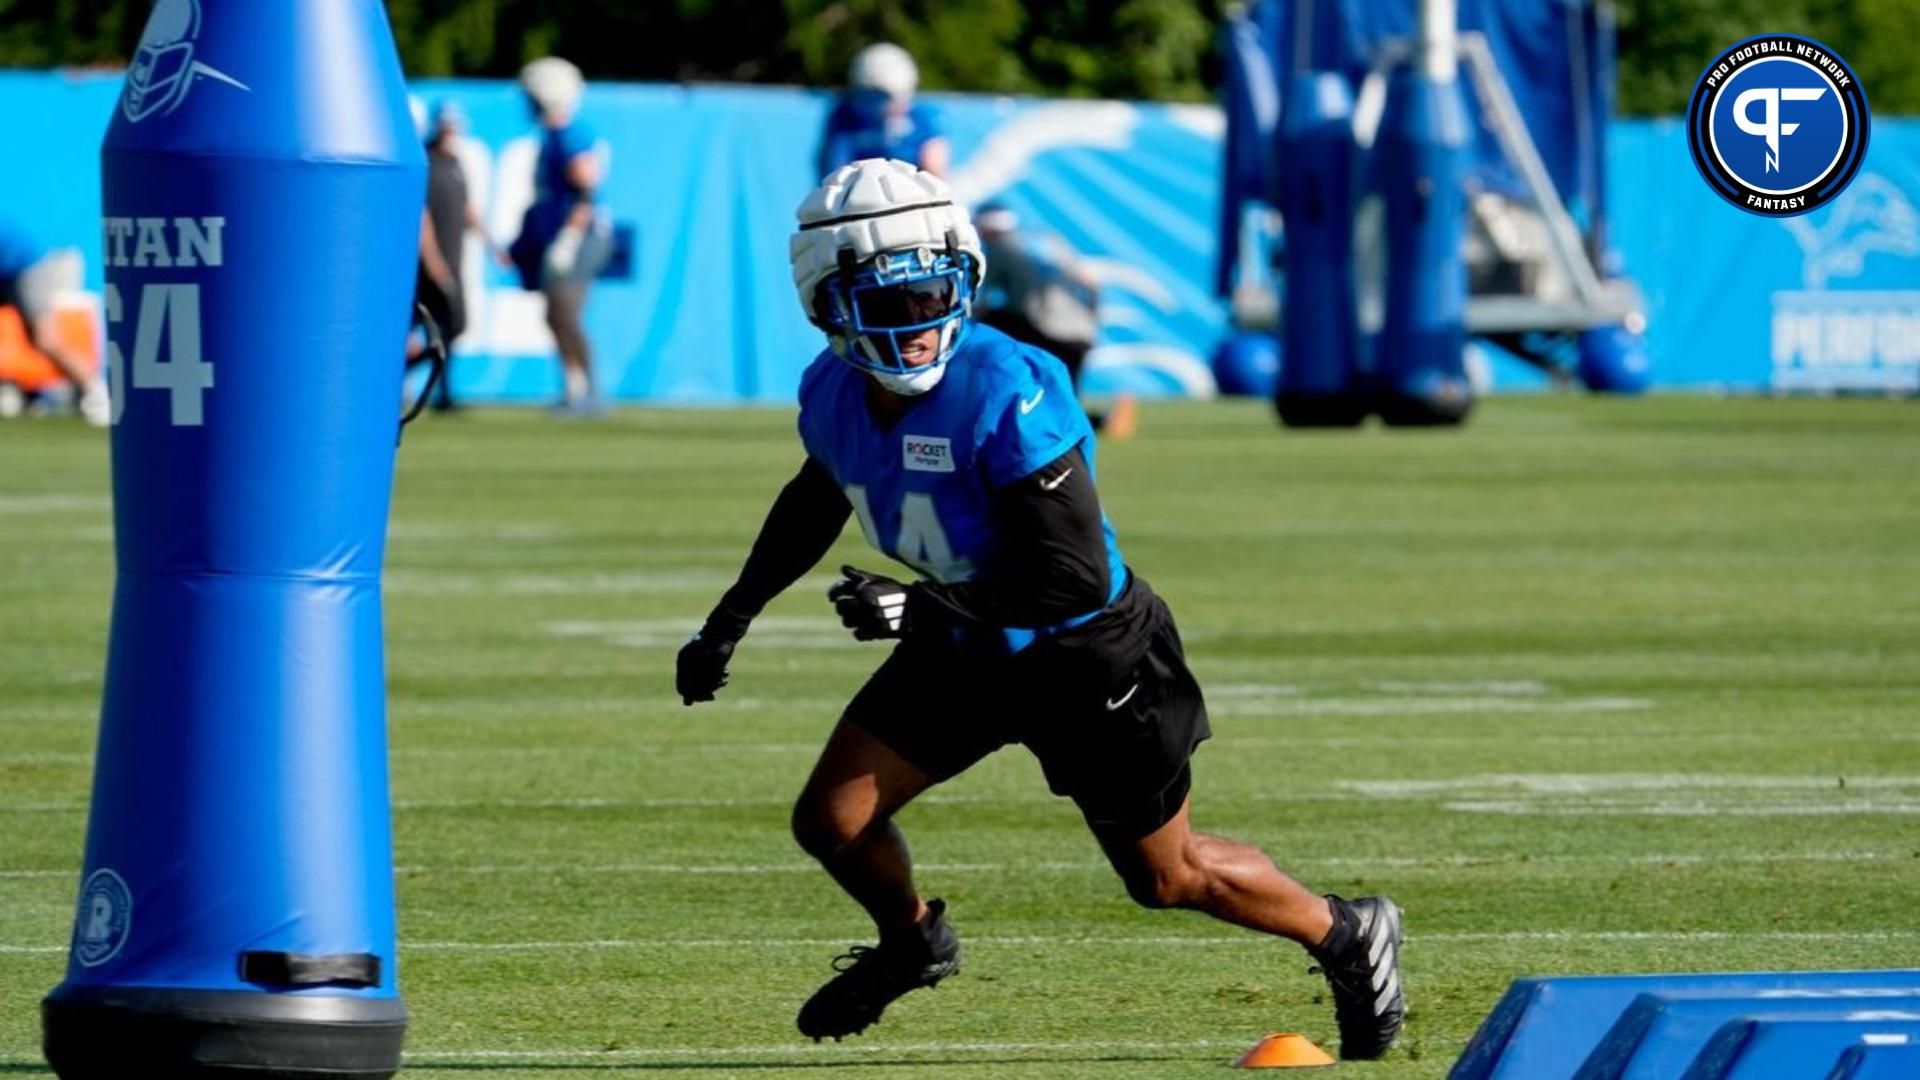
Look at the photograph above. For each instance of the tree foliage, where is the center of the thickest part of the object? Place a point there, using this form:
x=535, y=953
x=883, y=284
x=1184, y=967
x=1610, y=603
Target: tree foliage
x=1664, y=45
x=1159, y=49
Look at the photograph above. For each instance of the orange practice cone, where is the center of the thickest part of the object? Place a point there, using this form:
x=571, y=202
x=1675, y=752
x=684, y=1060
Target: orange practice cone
x=1284, y=1050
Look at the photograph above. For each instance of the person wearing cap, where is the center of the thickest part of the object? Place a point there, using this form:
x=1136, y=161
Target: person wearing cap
x=450, y=214
x=564, y=239
x=878, y=118
x=1038, y=290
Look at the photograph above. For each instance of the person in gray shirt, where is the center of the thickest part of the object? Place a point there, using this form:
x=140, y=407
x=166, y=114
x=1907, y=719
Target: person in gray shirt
x=1039, y=291
x=443, y=232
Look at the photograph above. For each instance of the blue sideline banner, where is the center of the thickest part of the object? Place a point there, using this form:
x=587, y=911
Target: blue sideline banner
x=708, y=177
x=1829, y=301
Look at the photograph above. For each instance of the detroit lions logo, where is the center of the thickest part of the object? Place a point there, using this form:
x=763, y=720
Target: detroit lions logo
x=1873, y=217
x=1778, y=125
x=164, y=68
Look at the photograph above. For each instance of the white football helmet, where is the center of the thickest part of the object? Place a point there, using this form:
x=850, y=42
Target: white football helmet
x=883, y=253
x=553, y=84
x=887, y=67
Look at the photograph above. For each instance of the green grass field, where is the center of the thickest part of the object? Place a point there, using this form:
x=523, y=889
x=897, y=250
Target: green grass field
x=1587, y=686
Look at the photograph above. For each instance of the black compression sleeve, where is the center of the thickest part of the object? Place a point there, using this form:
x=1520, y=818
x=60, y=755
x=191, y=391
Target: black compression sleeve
x=1053, y=563
x=804, y=522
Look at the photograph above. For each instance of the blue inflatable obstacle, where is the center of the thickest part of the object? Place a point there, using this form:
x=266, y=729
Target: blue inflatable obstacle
x=1420, y=357
x=1247, y=364
x=1513, y=110
x=1613, y=360
x=1660, y=1034
x=262, y=199
x=1791, y=1045
x=1546, y=1028
x=1321, y=383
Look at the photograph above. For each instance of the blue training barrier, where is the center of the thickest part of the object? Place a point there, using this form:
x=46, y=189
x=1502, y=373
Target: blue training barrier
x=1880, y=1062
x=1544, y=1028
x=1788, y=1047
x=1660, y=1034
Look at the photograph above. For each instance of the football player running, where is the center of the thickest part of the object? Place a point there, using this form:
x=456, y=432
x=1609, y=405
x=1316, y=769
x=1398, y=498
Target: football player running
x=965, y=456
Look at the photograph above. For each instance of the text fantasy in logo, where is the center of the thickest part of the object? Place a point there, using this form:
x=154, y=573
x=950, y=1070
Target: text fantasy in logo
x=1778, y=125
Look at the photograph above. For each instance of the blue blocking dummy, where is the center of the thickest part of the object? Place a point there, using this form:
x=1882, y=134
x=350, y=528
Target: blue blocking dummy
x=1421, y=160
x=262, y=199
x=1320, y=384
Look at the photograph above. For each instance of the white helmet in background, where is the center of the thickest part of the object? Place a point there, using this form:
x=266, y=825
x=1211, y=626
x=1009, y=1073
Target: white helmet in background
x=887, y=67
x=553, y=84
x=882, y=253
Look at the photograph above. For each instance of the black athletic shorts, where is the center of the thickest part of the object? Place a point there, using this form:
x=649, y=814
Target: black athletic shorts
x=1109, y=708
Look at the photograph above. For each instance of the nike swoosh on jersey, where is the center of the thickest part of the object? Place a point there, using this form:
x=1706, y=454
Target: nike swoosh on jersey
x=1027, y=405
x=1114, y=705
x=1054, y=483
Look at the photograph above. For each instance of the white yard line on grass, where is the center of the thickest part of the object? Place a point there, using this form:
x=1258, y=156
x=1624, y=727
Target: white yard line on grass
x=1178, y=940
x=636, y=582
x=1656, y=794
x=429, y=1057
x=1418, y=706
x=1094, y=866
x=57, y=502
x=769, y=632
x=1614, y=738
x=1182, y=941
x=1599, y=783
x=1623, y=808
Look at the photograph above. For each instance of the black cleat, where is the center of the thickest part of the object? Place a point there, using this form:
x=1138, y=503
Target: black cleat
x=872, y=977
x=1364, y=974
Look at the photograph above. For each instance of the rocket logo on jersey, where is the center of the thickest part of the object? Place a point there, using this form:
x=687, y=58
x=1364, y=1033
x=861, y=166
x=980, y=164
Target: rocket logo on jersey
x=926, y=453
x=106, y=914
x=164, y=68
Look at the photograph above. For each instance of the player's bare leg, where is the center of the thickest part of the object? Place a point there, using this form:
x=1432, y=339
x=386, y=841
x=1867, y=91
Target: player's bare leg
x=566, y=314
x=1357, y=943
x=844, y=819
x=1174, y=866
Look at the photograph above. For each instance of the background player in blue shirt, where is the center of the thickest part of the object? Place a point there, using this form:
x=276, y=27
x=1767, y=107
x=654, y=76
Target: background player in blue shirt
x=564, y=240
x=965, y=456
x=878, y=118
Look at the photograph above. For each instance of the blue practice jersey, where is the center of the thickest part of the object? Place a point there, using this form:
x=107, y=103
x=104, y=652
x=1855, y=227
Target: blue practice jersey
x=856, y=131
x=922, y=487
x=553, y=197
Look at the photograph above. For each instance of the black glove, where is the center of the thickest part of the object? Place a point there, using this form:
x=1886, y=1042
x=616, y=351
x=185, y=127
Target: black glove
x=701, y=669
x=872, y=606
